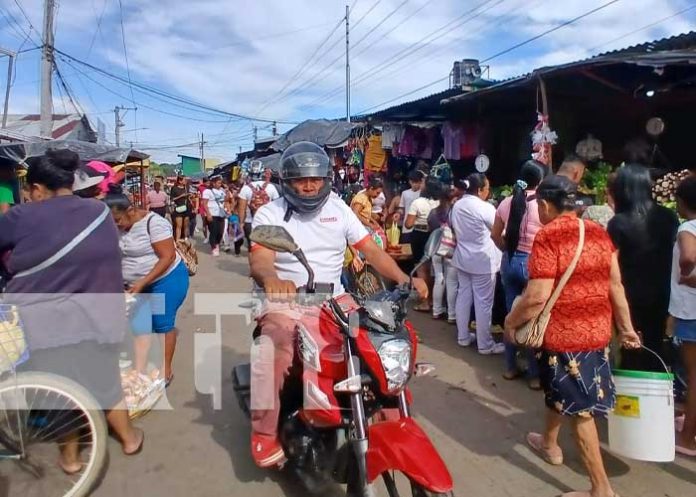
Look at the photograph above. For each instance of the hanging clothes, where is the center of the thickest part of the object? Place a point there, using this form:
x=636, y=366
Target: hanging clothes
x=452, y=137
x=391, y=135
x=375, y=155
x=470, y=145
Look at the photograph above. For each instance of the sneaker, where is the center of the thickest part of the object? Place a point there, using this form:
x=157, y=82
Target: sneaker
x=266, y=451
x=451, y=321
x=216, y=252
x=467, y=342
x=498, y=348
x=205, y=239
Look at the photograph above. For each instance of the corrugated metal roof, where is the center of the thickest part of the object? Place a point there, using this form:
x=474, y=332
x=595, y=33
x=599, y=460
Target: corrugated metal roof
x=672, y=50
x=64, y=125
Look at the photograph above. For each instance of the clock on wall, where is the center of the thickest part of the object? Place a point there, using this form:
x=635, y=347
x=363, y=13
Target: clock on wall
x=482, y=163
x=655, y=126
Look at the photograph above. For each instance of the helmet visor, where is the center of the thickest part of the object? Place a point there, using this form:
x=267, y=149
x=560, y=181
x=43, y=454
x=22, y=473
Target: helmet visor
x=306, y=165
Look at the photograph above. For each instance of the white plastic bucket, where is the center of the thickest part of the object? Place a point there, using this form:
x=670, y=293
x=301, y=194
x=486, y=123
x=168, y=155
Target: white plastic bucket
x=642, y=424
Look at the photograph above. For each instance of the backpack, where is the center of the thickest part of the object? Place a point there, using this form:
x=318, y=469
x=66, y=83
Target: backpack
x=259, y=197
x=186, y=251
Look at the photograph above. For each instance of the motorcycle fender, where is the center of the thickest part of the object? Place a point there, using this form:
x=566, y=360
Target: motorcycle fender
x=403, y=446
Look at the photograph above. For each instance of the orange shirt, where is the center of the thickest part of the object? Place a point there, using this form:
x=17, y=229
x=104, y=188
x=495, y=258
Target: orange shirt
x=581, y=320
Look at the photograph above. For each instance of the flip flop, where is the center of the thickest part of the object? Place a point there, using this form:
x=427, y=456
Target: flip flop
x=534, y=384
x=512, y=375
x=169, y=381
x=535, y=442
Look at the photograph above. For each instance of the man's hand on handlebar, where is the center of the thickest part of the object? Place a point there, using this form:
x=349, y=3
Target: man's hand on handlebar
x=278, y=290
x=420, y=286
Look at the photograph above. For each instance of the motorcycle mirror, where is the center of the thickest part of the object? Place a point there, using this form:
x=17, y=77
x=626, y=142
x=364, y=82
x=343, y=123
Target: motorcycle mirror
x=275, y=238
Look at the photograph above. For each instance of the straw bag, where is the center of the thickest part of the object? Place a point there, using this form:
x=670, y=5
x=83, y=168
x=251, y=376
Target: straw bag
x=531, y=334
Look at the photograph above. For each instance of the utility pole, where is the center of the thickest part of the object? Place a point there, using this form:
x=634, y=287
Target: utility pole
x=202, y=149
x=275, y=128
x=118, y=123
x=10, y=67
x=347, y=63
x=256, y=134
x=47, y=70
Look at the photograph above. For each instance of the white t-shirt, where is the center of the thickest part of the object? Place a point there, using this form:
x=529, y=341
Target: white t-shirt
x=421, y=208
x=323, y=237
x=378, y=203
x=472, y=221
x=247, y=192
x=407, y=198
x=216, y=201
x=137, y=255
x=682, y=300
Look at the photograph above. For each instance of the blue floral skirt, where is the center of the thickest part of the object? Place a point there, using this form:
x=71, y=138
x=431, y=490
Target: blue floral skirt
x=577, y=383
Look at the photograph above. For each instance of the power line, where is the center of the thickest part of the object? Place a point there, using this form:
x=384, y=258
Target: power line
x=374, y=5
x=98, y=28
x=125, y=54
x=24, y=14
x=272, y=36
x=302, y=68
x=155, y=91
x=415, y=47
x=499, y=54
x=386, y=76
x=643, y=28
x=326, y=69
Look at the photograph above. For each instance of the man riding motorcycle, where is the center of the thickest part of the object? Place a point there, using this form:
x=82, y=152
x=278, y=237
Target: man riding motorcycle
x=322, y=225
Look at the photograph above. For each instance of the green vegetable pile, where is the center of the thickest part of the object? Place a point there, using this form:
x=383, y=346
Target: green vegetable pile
x=594, y=181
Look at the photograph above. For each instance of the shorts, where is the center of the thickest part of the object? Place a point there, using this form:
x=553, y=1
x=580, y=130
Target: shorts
x=577, y=383
x=155, y=309
x=91, y=364
x=685, y=329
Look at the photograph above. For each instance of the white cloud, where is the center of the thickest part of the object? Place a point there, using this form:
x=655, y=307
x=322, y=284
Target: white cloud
x=228, y=53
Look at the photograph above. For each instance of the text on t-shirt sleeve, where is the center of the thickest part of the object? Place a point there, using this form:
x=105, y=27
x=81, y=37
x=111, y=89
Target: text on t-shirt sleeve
x=543, y=261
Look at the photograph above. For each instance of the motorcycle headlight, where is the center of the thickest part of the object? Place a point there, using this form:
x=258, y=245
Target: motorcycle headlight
x=396, y=361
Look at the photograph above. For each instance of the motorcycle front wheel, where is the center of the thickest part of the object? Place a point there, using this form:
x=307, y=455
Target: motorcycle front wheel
x=392, y=488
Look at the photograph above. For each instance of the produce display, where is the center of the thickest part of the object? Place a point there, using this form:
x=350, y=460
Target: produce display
x=594, y=181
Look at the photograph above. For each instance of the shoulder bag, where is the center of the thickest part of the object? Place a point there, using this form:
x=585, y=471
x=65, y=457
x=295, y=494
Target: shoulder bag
x=531, y=334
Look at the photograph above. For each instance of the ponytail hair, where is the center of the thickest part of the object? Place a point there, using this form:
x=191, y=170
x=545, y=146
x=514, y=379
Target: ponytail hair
x=531, y=175
x=116, y=199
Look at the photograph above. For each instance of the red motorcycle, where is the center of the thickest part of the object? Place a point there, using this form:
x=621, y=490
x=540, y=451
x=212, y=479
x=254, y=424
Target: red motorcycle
x=345, y=408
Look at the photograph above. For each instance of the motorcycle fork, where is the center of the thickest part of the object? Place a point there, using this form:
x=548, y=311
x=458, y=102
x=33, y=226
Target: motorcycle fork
x=359, y=443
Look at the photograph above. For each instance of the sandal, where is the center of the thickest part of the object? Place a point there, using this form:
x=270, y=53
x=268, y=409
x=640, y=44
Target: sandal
x=169, y=380
x=536, y=443
x=422, y=308
x=534, y=384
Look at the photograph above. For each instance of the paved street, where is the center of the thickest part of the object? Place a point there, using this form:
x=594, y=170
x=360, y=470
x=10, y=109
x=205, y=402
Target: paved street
x=476, y=420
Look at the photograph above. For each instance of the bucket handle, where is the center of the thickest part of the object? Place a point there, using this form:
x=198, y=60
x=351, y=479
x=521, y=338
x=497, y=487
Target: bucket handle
x=664, y=364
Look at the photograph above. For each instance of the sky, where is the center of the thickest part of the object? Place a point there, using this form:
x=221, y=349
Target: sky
x=284, y=60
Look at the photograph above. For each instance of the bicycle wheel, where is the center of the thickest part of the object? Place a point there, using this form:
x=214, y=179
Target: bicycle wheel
x=40, y=415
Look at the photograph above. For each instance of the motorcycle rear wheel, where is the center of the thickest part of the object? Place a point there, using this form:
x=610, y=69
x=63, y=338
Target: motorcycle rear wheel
x=416, y=490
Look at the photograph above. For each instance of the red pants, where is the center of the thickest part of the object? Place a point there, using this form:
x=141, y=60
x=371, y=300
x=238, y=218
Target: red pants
x=271, y=360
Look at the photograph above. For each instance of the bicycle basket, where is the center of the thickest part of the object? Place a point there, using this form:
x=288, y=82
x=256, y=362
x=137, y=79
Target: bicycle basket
x=13, y=345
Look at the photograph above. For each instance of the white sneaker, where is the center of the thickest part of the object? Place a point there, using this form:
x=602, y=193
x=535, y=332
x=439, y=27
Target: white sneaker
x=205, y=240
x=498, y=348
x=467, y=342
x=216, y=252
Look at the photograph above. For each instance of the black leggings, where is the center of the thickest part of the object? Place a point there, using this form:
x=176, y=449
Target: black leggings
x=216, y=227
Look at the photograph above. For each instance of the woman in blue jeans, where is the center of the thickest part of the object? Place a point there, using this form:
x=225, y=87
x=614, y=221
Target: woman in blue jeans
x=154, y=273
x=516, y=224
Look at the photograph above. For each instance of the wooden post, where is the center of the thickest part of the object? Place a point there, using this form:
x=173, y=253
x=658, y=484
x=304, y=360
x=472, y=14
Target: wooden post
x=142, y=184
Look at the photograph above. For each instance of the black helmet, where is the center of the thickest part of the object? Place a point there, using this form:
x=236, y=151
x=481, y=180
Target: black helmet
x=305, y=160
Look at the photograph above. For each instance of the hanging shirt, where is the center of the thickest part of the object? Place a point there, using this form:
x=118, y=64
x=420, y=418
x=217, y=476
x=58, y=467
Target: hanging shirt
x=391, y=134
x=470, y=141
x=375, y=155
x=472, y=221
x=452, y=137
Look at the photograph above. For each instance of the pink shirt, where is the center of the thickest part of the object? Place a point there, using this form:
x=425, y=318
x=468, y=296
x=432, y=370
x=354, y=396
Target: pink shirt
x=530, y=221
x=157, y=200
